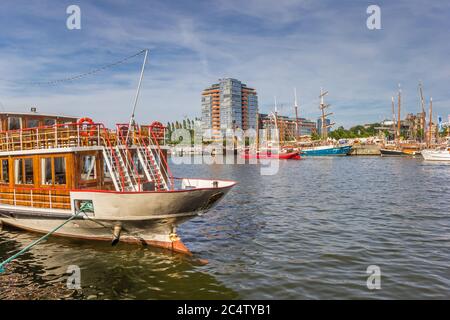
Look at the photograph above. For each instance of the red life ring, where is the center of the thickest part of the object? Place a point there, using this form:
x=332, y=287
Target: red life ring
x=88, y=132
x=157, y=128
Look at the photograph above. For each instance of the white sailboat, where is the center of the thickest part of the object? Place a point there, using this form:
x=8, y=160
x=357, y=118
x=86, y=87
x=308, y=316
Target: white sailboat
x=442, y=154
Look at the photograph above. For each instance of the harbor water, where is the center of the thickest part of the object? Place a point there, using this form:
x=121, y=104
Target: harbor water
x=308, y=232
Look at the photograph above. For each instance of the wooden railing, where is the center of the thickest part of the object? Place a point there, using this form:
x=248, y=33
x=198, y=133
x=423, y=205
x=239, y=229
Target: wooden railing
x=35, y=197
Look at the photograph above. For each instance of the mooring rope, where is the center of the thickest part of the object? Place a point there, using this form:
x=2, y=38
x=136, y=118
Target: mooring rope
x=84, y=207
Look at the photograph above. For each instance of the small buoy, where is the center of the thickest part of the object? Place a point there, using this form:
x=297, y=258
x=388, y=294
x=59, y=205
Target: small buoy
x=116, y=234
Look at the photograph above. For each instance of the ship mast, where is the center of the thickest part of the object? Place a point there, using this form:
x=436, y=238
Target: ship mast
x=131, y=123
x=393, y=120
x=399, y=110
x=296, y=113
x=257, y=131
x=324, y=115
x=423, y=115
x=430, y=124
x=276, y=120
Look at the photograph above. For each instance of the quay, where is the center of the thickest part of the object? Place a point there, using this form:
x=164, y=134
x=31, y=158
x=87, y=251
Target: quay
x=365, y=150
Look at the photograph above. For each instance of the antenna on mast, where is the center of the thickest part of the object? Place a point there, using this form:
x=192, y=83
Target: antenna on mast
x=131, y=123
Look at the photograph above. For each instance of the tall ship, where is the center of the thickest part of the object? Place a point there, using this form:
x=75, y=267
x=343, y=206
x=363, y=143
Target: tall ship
x=324, y=147
x=399, y=147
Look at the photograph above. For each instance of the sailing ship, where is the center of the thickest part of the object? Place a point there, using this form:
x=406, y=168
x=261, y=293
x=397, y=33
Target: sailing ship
x=329, y=150
x=96, y=183
x=405, y=148
x=324, y=147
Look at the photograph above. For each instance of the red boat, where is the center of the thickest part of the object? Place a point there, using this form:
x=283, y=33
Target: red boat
x=269, y=155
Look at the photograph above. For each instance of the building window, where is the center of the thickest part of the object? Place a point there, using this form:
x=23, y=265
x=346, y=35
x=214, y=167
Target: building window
x=14, y=123
x=23, y=171
x=32, y=123
x=5, y=171
x=88, y=170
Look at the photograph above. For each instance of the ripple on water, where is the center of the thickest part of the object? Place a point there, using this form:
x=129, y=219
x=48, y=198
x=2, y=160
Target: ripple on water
x=308, y=232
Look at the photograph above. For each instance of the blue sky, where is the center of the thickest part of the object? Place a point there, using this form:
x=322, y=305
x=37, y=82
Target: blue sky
x=272, y=46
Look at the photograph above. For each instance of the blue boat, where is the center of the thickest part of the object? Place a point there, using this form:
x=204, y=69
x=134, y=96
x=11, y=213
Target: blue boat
x=326, y=151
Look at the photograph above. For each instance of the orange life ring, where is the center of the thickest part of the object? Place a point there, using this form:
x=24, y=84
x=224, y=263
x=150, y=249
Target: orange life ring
x=89, y=132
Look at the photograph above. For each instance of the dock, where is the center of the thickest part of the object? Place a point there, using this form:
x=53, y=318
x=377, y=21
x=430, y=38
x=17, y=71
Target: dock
x=365, y=150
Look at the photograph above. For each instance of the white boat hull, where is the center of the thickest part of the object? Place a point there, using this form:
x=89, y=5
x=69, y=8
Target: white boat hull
x=148, y=218
x=436, y=155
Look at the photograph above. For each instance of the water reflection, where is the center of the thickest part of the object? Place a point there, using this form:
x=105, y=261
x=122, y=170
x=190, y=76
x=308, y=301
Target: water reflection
x=121, y=272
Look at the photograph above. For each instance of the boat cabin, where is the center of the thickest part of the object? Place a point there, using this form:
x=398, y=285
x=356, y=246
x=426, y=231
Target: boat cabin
x=43, y=157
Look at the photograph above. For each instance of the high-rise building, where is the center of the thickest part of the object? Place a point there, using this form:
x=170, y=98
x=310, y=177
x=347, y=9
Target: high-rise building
x=229, y=104
x=319, y=126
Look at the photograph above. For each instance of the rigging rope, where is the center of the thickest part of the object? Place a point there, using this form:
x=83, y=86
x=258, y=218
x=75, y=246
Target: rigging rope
x=86, y=206
x=83, y=75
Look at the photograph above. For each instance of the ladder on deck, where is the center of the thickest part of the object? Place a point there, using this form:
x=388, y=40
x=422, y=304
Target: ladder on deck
x=150, y=164
x=119, y=167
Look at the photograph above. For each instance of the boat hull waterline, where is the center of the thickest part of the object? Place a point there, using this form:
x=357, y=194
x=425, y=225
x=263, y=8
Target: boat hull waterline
x=281, y=156
x=148, y=218
x=326, y=151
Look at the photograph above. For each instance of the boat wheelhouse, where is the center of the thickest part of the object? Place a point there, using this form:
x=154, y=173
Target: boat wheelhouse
x=53, y=165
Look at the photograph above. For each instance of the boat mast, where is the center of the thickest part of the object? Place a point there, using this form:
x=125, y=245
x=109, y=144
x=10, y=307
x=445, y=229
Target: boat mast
x=276, y=120
x=423, y=115
x=393, y=120
x=257, y=131
x=399, y=110
x=430, y=124
x=324, y=116
x=131, y=123
x=296, y=113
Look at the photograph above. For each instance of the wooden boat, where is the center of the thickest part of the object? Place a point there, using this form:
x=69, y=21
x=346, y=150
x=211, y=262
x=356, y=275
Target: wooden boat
x=399, y=150
x=52, y=165
x=391, y=152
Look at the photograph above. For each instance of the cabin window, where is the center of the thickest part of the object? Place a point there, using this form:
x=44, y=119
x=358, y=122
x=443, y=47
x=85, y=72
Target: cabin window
x=46, y=171
x=88, y=170
x=5, y=171
x=49, y=122
x=60, y=170
x=32, y=123
x=14, y=123
x=53, y=171
x=23, y=171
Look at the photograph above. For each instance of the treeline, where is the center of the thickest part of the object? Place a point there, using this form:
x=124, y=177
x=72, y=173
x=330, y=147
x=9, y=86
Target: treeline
x=187, y=124
x=358, y=131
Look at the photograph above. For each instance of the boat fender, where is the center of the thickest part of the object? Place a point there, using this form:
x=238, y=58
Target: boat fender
x=116, y=234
